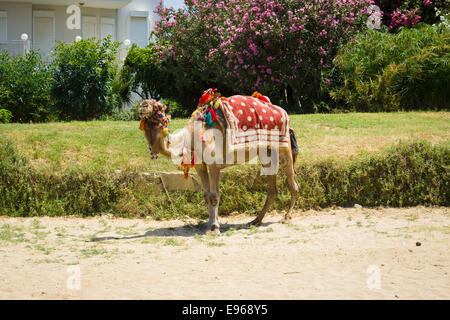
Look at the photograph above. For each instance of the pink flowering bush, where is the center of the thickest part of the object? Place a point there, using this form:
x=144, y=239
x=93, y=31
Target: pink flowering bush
x=406, y=13
x=278, y=47
x=406, y=18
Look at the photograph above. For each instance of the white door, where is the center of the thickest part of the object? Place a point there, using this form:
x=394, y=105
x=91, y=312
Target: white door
x=3, y=27
x=108, y=28
x=43, y=31
x=139, y=31
x=89, y=27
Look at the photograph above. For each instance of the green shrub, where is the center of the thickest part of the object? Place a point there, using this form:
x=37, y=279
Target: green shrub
x=379, y=71
x=25, y=87
x=178, y=85
x=176, y=110
x=26, y=192
x=84, y=74
x=5, y=116
x=122, y=114
x=142, y=76
x=407, y=174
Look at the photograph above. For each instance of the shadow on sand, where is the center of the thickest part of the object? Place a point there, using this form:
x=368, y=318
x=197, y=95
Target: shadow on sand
x=188, y=230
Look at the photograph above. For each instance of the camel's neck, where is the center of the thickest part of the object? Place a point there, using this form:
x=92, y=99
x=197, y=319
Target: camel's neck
x=177, y=143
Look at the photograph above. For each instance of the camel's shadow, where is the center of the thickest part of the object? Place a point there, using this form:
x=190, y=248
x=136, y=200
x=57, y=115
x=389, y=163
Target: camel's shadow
x=189, y=230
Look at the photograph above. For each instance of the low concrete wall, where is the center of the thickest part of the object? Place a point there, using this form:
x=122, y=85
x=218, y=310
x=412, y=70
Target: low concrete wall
x=172, y=181
x=176, y=181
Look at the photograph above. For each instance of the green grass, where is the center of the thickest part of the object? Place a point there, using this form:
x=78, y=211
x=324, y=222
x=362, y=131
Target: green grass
x=342, y=136
x=172, y=242
x=112, y=145
x=89, y=252
x=254, y=230
x=10, y=233
x=215, y=244
x=320, y=226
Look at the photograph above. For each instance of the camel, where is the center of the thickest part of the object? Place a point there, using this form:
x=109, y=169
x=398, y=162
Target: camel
x=213, y=139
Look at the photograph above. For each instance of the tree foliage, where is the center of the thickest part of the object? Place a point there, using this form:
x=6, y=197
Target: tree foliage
x=83, y=78
x=379, y=71
x=25, y=83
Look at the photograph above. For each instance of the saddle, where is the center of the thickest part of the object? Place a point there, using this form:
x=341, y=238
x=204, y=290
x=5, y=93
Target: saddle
x=252, y=120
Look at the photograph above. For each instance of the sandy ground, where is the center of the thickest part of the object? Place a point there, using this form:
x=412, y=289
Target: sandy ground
x=353, y=253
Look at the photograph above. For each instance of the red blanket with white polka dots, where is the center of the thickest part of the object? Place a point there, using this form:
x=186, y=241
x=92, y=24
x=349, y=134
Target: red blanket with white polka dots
x=252, y=121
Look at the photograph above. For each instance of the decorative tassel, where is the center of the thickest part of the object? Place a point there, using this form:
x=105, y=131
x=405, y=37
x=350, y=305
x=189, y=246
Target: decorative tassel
x=207, y=96
x=258, y=95
x=208, y=120
x=213, y=114
x=205, y=99
x=185, y=163
x=186, y=172
x=142, y=125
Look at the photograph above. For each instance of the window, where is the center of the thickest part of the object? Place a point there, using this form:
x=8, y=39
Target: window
x=3, y=26
x=89, y=27
x=43, y=30
x=139, y=31
x=108, y=28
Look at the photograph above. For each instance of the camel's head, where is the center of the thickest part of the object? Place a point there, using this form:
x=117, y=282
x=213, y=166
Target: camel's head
x=154, y=122
x=150, y=107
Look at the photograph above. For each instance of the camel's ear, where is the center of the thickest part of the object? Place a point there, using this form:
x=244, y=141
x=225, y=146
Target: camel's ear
x=163, y=108
x=158, y=106
x=168, y=108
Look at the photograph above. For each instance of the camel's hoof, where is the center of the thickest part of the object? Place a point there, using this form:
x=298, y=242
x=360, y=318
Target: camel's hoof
x=255, y=222
x=212, y=230
x=215, y=232
x=286, y=219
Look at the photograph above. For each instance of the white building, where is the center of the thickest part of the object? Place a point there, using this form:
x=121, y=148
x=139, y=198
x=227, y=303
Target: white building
x=45, y=22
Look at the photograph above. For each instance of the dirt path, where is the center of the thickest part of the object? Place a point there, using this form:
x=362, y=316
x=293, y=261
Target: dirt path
x=341, y=253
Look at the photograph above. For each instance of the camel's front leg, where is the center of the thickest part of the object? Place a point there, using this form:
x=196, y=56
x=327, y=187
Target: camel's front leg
x=209, y=196
x=213, y=199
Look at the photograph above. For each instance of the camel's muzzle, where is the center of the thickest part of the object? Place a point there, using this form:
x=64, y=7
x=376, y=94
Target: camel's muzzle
x=144, y=112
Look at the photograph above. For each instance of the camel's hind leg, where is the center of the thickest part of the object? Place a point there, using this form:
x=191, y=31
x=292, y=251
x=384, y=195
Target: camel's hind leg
x=287, y=164
x=271, y=195
x=202, y=172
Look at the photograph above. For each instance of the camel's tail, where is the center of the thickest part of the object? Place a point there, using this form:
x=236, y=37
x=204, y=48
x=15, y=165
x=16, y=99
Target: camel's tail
x=294, y=146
